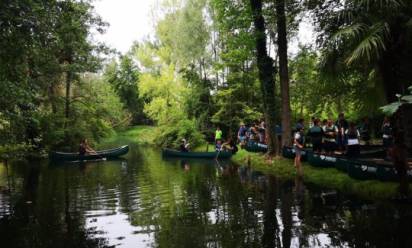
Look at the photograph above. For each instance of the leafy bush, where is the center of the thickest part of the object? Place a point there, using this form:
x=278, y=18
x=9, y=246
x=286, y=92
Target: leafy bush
x=171, y=135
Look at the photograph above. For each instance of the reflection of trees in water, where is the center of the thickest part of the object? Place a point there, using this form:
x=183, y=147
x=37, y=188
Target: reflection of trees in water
x=270, y=236
x=378, y=225
x=208, y=205
x=286, y=200
x=42, y=215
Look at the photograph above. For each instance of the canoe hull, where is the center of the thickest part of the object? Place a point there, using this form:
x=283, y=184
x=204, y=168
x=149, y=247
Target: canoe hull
x=319, y=160
x=255, y=147
x=108, y=154
x=361, y=170
x=200, y=155
x=289, y=152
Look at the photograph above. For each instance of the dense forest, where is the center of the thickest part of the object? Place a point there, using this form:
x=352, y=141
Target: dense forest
x=208, y=63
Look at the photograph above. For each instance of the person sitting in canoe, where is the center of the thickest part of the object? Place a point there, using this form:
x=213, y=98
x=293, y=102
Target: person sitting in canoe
x=85, y=149
x=184, y=146
x=219, y=145
x=230, y=146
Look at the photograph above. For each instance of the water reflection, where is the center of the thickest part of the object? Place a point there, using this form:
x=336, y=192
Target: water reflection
x=147, y=201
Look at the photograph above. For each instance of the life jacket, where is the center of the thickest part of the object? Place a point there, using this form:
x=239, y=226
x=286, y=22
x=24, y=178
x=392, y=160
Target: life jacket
x=315, y=131
x=329, y=130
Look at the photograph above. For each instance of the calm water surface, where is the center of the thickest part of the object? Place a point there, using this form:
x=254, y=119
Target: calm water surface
x=145, y=201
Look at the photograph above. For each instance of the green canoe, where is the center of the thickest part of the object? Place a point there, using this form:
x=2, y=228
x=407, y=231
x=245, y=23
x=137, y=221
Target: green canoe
x=340, y=161
x=104, y=154
x=368, y=169
x=256, y=147
x=289, y=152
x=361, y=170
x=387, y=172
x=320, y=160
x=342, y=165
x=208, y=155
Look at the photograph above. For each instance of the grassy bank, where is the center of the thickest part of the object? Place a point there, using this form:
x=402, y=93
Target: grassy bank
x=141, y=135
x=325, y=177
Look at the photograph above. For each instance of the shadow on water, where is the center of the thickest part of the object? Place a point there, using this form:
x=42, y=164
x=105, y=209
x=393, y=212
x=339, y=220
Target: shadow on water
x=145, y=200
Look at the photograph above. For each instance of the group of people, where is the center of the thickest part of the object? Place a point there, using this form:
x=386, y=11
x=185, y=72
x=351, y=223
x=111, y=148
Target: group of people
x=327, y=136
x=220, y=145
x=342, y=136
x=255, y=133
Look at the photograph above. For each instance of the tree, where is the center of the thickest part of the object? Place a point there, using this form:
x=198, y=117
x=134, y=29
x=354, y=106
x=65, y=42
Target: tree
x=46, y=47
x=238, y=96
x=283, y=72
x=76, y=53
x=266, y=75
x=369, y=36
x=124, y=79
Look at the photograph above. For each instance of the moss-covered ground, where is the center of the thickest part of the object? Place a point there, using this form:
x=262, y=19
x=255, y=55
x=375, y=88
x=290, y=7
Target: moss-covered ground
x=330, y=178
x=141, y=135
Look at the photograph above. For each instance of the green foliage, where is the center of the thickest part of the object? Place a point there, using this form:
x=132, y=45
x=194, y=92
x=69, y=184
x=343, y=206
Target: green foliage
x=46, y=45
x=391, y=108
x=367, y=37
x=315, y=94
x=95, y=110
x=124, y=79
x=140, y=135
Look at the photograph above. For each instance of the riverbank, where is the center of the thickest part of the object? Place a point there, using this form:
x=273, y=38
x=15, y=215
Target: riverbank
x=282, y=168
x=140, y=135
x=329, y=178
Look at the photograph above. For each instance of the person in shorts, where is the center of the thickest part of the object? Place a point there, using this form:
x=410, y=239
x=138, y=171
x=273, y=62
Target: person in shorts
x=298, y=143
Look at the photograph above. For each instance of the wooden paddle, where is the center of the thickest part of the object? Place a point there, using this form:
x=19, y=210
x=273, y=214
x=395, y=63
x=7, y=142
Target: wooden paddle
x=218, y=153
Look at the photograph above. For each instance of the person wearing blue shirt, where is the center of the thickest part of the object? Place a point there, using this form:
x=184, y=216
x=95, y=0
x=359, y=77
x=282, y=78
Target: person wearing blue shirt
x=241, y=134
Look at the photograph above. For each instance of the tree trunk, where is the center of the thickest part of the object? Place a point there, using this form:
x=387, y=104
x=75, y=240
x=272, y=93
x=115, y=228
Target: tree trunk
x=388, y=67
x=266, y=76
x=283, y=72
x=68, y=88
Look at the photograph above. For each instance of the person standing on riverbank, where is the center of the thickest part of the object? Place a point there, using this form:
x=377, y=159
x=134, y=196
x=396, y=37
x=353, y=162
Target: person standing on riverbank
x=342, y=125
x=298, y=146
x=241, y=134
x=218, y=135
x=387, y=137
x=316, y=133
x=353, y=147
x=365, y=131
x=330, y=132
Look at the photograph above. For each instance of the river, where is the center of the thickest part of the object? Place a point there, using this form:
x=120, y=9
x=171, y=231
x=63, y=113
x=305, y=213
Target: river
x=144, y=200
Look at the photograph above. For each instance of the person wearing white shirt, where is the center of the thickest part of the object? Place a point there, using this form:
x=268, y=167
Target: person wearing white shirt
x=353, y=149
x=298, y=144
